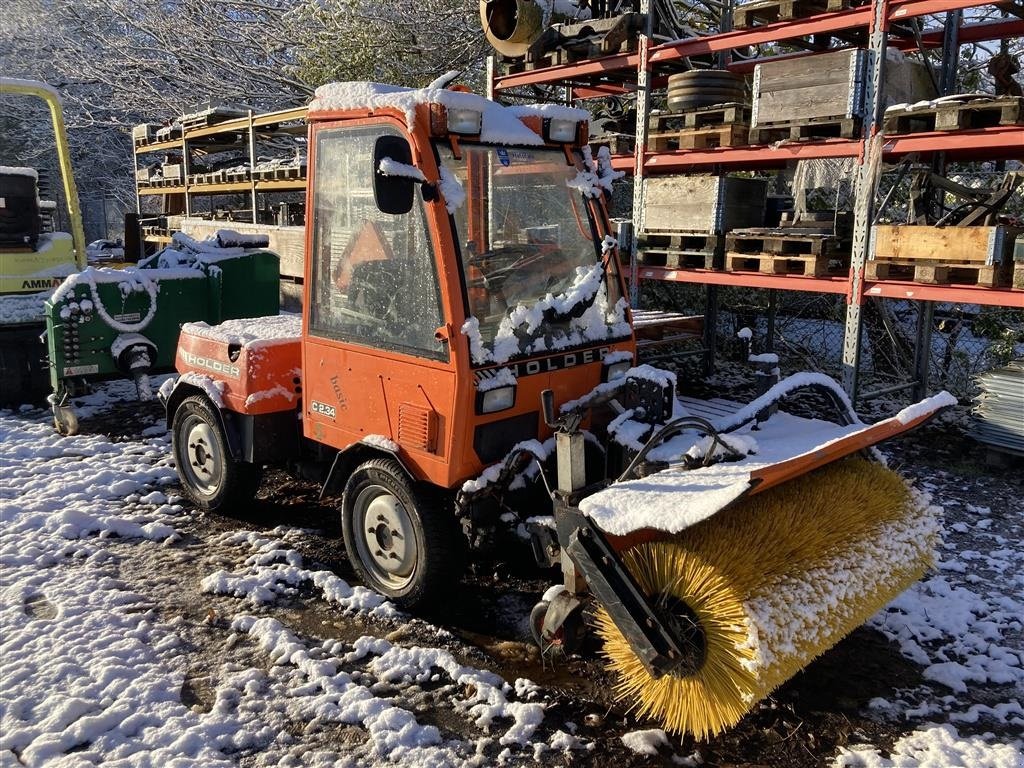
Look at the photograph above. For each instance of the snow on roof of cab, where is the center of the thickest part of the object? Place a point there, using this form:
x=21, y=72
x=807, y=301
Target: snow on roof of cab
x=249, y=331
x=500, y=124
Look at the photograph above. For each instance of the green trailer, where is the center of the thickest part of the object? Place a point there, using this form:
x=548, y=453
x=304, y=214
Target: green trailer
x=114, y=323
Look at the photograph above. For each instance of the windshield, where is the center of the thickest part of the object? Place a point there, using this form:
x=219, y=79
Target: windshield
x=534, y=271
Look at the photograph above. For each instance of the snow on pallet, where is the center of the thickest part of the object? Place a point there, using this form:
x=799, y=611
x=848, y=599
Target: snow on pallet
x=955, y=115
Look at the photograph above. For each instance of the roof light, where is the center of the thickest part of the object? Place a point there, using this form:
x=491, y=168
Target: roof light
x=464, y=121
x=561, y=130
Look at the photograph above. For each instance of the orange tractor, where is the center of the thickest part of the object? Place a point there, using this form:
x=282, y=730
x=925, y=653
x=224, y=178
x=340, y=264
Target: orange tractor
x=464, y=367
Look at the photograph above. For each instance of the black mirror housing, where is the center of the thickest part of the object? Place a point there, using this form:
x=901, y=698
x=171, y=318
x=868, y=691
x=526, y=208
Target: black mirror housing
x=392, y=194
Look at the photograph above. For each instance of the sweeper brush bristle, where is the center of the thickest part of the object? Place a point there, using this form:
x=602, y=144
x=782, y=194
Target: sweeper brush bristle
x=774, y=581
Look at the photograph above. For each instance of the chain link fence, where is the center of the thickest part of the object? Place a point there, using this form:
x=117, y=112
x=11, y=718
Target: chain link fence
x=102, y=218
x=807, y=331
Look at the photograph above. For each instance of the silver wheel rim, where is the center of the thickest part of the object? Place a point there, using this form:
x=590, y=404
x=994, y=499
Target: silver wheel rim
x=203, y=461
x=384, y=536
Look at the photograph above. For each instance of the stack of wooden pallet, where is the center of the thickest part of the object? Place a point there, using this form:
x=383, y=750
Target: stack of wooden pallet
x=813, y=244
x=721, y=125
x=685, y=218
x=973, y=255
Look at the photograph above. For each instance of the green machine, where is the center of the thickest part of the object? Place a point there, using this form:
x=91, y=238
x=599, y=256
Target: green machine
x=116, y=323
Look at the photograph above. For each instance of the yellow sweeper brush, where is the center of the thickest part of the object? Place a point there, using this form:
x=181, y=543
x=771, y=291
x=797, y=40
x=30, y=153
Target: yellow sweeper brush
x=772, y=582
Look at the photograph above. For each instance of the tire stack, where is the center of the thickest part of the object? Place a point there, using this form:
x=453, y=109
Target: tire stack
x=704, y=88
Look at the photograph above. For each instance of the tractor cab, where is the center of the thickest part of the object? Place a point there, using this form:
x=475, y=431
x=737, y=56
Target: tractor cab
x=459, y=265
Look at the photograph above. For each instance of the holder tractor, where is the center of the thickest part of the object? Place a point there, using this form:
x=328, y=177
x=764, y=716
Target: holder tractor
x=464, y=368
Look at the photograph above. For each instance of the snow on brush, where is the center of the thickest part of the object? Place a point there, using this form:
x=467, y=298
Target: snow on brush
x=97, y=660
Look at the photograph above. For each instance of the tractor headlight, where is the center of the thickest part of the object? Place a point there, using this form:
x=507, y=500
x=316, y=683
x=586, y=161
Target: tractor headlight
x=494, y=400
x=561, y=131
x=464, y=121
x=616, y=370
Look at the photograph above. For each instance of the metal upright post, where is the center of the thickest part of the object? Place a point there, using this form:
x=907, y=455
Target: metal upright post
x=710, y=339
x=490, y=77
x=923, y=348
x=186, y=171
x=926, y=310
x=643, y=113
x=252, y=166
x=865, y=184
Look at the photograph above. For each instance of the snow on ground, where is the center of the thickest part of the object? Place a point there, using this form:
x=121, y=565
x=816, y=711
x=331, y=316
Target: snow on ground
x=133, y=634
x=97, y=669
x=964, y=624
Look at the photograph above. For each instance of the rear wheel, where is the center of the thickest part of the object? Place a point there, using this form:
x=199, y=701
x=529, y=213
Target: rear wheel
x=399, y=537
x=209, y=474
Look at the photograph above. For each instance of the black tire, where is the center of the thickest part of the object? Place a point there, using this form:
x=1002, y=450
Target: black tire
x=210, y=476
x=415, y=551
x=711, y=78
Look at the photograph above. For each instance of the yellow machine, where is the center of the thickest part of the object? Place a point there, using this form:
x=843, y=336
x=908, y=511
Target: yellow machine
x=33, y=258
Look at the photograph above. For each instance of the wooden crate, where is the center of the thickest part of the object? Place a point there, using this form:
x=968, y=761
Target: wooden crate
x=710, y=204
x=949, y=245
x=829, y=85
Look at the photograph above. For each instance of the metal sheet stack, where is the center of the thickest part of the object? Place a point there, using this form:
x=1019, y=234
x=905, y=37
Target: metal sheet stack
x=999, y=408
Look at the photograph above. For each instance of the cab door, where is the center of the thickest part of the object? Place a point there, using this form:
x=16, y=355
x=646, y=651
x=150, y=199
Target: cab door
x=374, y=362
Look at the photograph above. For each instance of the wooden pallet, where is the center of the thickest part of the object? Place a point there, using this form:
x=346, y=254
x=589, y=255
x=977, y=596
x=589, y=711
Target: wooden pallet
x=942, y=273
x=577, y=50
x=719, y=115
x=680, y=250
x=769, y=11
x=798, y=130
x=782, y=264
x=698, y=138
x=779, y=242
x=957, y=116
x=236, y=176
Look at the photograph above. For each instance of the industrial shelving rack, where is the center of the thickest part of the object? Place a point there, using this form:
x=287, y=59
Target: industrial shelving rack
x=646, y=68
x=241, y=133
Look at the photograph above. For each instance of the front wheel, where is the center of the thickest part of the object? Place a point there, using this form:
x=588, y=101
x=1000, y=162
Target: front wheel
x=209, y=474
x=400, y=538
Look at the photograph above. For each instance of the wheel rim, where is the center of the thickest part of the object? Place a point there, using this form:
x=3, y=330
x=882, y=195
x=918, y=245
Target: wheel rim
x=384, y=537
x=203, y=460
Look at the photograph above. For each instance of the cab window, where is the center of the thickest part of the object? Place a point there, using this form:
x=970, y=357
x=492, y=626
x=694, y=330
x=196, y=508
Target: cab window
x=374, y=274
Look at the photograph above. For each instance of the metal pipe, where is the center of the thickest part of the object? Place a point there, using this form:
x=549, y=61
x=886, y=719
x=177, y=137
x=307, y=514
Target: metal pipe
x=887, y=390
x=49, y=95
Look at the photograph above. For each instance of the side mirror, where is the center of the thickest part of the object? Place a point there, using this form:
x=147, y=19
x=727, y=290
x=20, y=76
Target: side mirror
x=393, y=194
